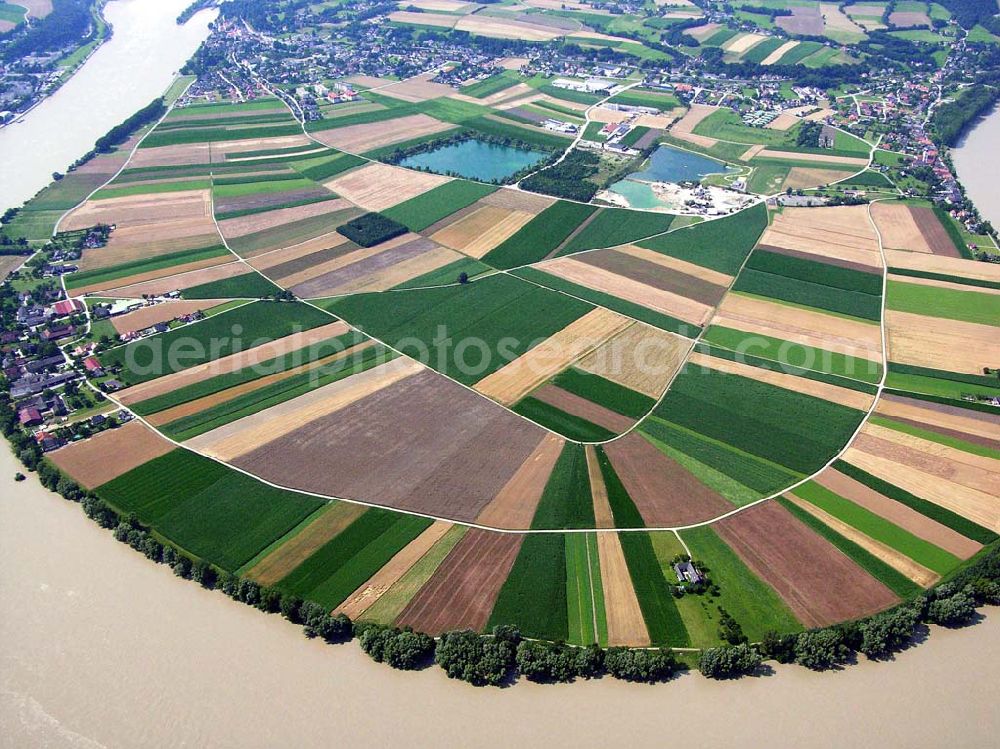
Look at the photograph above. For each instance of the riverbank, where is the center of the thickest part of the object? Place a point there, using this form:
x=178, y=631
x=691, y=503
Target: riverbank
x=105, y=649
x=976, y=158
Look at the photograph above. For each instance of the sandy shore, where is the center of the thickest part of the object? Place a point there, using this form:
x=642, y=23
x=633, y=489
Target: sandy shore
x=98, y=647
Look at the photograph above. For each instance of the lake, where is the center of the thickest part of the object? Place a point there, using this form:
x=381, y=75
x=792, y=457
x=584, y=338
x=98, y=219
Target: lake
x=476, y=159
x=669, y=164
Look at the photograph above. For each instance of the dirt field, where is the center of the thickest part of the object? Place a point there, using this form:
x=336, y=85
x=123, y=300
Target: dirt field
x=839, y=234
x=817, y=581
x=239, y=227
x=625, y=288
x=919, y=574
x=403, y=271
x=751, y=152
x=646, y=269
x=800, y=326
x=175, y=282
x=379, y=186
x=896, y=512
x=934, y=342
x=906, y=19
x=515, y=200
x=800, y=178
x=163, y=312
x=674, y=264
x=516, y=379
x=461, y=593
x=701, y=33
x=898, y=227
x=603, y=517
x=807, y=21
x=257, y=431
x=423, y=19
x=514, y=506
x=361, y=138
x=782, y=122
x=210, y=153
x=111, y=453
x=945, y=265
x=774, y=153
x=934, y=234
x=418, y=88
x=8, y=263
x=373, y=589
x=140, y=210
x=278, y=262
x=128, y=243
x=425, y=444
x=836, y=20
x=832, y=393
x=232, y=363
x=482, y=230
x=621, y=607
x=36, y=8
x=292, y=553
x=969, y=425
x=503, y=28
x=583, y=408
x=641, y=357
x=664, y=492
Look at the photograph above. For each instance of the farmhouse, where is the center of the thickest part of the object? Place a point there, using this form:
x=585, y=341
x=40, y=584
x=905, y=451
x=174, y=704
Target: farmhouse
x=687, y=573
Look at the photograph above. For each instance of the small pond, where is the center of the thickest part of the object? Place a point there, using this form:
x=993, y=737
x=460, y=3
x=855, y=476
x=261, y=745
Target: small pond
x=475, y=159
x=669, y=164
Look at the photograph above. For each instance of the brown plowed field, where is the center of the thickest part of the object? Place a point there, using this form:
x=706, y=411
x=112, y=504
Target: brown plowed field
x=281, y=263
x=641, y=357
x=515, y=379
x=376, y=187
x=175, y=282
x=238, y=227
x=937, y=343
x=934, y=234
x=163, y=312
x=654, y=274
x=664, y=492
x=231, y=363
x=898, y=226
x=296, y=550
x=425, y=444
x=838, y=232
x=503, y=28
x=140, y=210
x=599, y=279
x=684, y=128
x=961, y=422
x=361, y=138
x=461, y=593
x=820, y=584
x=896, y=512
x=514, y=506
x=482, y=230
x=583, y=408
x=626, y=625
x=111, y=453
x=372, y=589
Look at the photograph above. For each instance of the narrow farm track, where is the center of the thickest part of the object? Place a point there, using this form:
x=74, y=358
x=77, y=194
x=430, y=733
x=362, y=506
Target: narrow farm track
x=675, y=529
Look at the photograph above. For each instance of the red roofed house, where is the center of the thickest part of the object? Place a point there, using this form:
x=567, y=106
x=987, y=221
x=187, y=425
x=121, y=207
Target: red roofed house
x=29, y=417
x=93, y=365
x=67, y=307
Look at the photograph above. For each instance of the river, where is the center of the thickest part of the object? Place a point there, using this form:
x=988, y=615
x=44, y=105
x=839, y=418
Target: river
x=977, y=160
x=127, y=72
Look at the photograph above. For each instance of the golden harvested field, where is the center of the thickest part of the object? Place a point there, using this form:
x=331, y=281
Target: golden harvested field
x=898, y=228
x=742, y=43
x=162, y=312
x=625, y=288
x=231, y=363
x=951, y=345
x=898, y=561
x=751, y=152
x=774, y=153
x=952, y=418
x=9, y=263
x=625, y=623
x=832, y=393
x=87, y=462
x=272, y=258
x=418, y=88
x=603, y=114
x=781, y=123
x=515, y=200
x=684, y=127
x=807, y=327
x=365, y=137
x=603, y=517
x=238, y=227
x=129, y=243
x=373, y=588
x=288, y=556
x=641, y=357
x=482, y=230
x=800, y=177
x=945, y=265
x=402, y=272
x=141, y=210
x=245, y=435
x=839, y=233
x=139, y=278
x=834, y=19
x=516, y=379
x=376, y=187
x=504, y=28
x=514, y=506
x=177, y=282
x=424, y=19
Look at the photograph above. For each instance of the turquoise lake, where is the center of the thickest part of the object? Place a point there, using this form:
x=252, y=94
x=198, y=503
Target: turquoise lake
x=668, y=164
x=475, y=159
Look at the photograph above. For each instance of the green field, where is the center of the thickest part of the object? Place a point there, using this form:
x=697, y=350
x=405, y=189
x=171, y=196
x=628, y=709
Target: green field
x=663, y=620
x=725, y=124
x=540, y=236
x=147, y=265
x=212, y=511
x=217, y=134
x=250, y=285
x=644, y=97
x=968, y=306
x=420, y=212
x=566, y=424
x=324, y=167
x=611, y=395
x=492, y=85
x=108, y=193
x=566, y=501
x=11, y=13
x=615, y=226
x=535, y=593
x=586, y=617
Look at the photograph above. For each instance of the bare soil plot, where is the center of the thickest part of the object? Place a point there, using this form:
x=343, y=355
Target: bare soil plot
x=461, y=592
x=588, y=410
x=908, y=19
x=516, y=200
x=136, y=210
x=376, y=187
x=109, y=454
x=424, y=444
x=819, y=116
x=420, y=87
x=937, y=343
x=690, y=121
x=303, y=255
x=514, y=506
x=800, y=177
x=177, y=282
x=919, y=574
x=944, y=265
x=898, y=227
x=934, y=234
x=960, y=422
x=140, y=278
x=255, y=432
x=680, y=266
x=517, y=378
x=519, y=93
x=774, y=153
x=611, y=283
x=292, y=553
x=504, y=28
x=482, y=229
x=264, y=200
x=365, y=137
x=9, y=263
x=653, y=272
x=835, y=20
x=301, y=267
x=841, y=235
x=128, y=243
x=896, y=512
x=231, y=363
x=373, y=589
x=603, y=517
x=223, y=151
x=664, y=492
x=701, y=33
x=163, y=312
x=833, y=393
x=781, y=123
x=603, y=114
x=444, y=6
x=626, y=625
x=820, y=584
x=807, y=21
x=641, y=357
x=369, y=81
x=751, y=152
x=807, y=327
x=238, y=227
